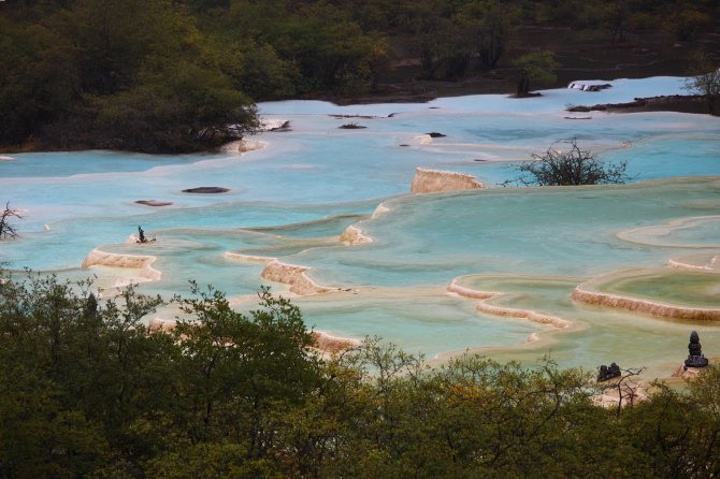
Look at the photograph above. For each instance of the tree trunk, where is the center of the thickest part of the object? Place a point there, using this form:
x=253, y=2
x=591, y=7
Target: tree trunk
x=713, y=103
x=523, y=87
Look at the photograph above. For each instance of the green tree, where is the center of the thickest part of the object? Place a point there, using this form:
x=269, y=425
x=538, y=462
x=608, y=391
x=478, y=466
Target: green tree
x=177, y=106
x=257, y=69
x=79, y=69
x=210, y=460
x=330, y=51
x=39, y=83
x=488, y=26
x=240, y=372
x=537, y=67
x=688, y=21
x=441, y=46
x=669, y=435
x=706, y=83
x=89, y=370
x=38, y=436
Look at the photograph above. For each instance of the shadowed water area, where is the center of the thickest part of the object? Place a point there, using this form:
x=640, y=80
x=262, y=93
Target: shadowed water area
x=531, y=247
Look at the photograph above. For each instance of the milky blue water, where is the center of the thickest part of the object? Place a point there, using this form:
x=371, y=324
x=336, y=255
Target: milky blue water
x=292, y=200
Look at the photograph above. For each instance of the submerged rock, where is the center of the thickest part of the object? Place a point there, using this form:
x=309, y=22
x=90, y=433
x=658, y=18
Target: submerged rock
x=207, y=189
x=154, y=203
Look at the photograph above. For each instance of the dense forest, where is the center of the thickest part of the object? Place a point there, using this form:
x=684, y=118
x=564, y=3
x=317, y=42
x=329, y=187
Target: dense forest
x=183, y=75
x=87, y=390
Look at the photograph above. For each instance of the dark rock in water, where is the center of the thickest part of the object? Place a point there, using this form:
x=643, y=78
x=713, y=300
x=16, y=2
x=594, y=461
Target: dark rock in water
x=154, y=203
x=366, y=117
x=695, y=359
x=435, y=134
x=609, y=372
x=676, y=103
x=207, y=189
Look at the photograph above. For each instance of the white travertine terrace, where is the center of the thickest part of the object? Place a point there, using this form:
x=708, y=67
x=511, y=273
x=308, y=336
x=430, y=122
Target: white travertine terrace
x=142, y=263
x=454, y=287
x=327, y=343
x=251, y=145
x=293, y=276
x=712, y=265
x=324, y=342
x=354, y=236
x=655, y=233
x=424, y=139
x=484, y=307
x=655, y=308
x=436, y=181
x=271, y=124
x=247, y=257
x=164, y=325
x=380, y=210
x=242, y=146
x=530, y=315
x=632, y=392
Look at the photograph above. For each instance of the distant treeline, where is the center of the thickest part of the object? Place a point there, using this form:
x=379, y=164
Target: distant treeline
x=171, y=75
x=86, y=390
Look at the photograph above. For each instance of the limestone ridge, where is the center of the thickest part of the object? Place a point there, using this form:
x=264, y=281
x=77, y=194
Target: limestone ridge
x=436, y=181
x=646, y=306
x=485, y=307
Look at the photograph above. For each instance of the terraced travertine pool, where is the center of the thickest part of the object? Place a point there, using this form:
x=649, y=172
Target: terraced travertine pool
x=292, y=201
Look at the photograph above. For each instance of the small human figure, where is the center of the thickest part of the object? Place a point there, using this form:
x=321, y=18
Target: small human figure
x=141, y=235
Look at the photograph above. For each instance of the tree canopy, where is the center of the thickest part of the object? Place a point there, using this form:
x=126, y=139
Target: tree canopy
x=171, y=75
x=87, y=389
x=705, y=81
x=537, y=67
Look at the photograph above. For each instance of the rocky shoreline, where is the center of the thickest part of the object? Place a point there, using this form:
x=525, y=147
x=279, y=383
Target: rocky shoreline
x=672, y=103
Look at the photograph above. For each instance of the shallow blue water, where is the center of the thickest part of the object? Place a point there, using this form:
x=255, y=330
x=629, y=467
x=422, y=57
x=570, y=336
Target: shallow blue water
x=294, y=198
